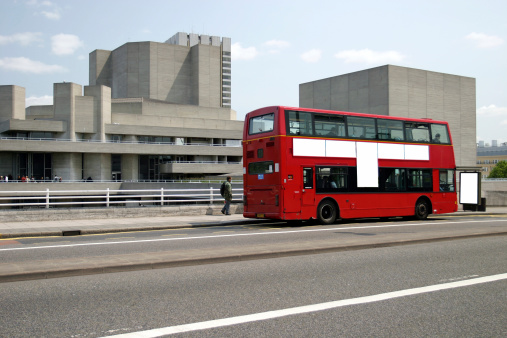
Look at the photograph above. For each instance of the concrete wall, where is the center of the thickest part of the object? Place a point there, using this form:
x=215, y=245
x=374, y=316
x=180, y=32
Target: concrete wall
x=422, y=94
x=181, y=71
x=129, y=167
x=101, y=114
x=100, y=68
x=68, y=166
x=40, y=112
x=97, y=166
x=152, y=70
x=207, y=72
x=362, y=92
x=165, y=109
x=405, y=92
x=64, y=105
x=12, y=102
x=495, y=192
x=116, y=148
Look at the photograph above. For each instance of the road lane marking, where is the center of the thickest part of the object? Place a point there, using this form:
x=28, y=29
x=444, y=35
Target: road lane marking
x=308, y=308
x=250, y=234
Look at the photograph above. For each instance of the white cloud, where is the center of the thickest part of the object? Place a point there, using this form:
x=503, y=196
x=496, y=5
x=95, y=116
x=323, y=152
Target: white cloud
x=25, y=65
x=38, y=100
x=492, y=110
x=369, y=56
x=53, y=11
x=277, y=43
x=312, y=56
x=275, y=46
x=65, y=44
x=23, y=39
x=484, y=41
x=54, y=15
x=240, y=53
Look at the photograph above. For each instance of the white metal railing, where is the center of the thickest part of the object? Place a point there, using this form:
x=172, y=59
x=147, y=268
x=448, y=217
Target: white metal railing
x=107, y=197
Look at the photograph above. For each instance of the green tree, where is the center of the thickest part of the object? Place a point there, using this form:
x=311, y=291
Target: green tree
x=499, y=171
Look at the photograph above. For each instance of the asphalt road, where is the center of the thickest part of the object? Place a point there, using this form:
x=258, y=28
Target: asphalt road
x=118, y=303
x=238, y=238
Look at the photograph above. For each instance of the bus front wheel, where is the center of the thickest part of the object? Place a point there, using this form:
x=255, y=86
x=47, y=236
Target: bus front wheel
x=326, y=212
x=421, y=210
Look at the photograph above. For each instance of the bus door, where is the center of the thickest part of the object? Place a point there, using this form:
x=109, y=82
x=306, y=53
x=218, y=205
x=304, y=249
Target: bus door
x=308, y=187
x=292, y=194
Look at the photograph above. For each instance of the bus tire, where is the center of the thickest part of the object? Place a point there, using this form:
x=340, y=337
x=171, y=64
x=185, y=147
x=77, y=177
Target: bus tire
x=327, y=212
x=422, y=209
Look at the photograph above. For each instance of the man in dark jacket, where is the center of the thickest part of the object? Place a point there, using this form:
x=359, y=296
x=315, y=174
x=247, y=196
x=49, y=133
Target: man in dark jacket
x=227, y=196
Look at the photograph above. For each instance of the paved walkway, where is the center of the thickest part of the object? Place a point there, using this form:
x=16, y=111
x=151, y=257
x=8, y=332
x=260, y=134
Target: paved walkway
x=94, y=226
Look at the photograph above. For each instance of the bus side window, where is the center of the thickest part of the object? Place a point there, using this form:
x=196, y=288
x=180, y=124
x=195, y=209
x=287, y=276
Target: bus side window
x=299, y=123
x=390, y=130
x=439, y=134
x=361, y=127
x=418, y=132
x=446, y=180
x=308, y=178
x=329, y=125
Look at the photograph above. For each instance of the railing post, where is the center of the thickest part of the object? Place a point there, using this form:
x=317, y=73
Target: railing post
x=211, y=195
x=47, y=198
x=161, y=196
x=107, y=198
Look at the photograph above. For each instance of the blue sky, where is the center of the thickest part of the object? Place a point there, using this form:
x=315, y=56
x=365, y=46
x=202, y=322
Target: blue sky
x=276, y=44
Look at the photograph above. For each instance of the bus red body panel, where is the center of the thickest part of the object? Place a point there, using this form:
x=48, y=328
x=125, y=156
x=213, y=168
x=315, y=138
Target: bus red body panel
x=360, y=165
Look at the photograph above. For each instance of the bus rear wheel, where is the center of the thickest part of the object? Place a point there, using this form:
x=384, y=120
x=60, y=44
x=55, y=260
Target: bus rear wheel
x=421, y=210
x=326, y=212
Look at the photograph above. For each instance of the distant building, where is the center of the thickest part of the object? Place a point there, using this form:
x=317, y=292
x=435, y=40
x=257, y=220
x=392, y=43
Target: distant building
x=152, y=111
x=489, y=156
x=404, y=92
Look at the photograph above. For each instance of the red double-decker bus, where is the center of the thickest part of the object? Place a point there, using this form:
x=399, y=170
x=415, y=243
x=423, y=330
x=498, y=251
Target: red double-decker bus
x=302, y=164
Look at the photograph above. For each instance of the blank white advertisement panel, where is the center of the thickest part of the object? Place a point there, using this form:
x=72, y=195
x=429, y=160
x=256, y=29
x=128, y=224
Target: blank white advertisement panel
x=309, y=147
x=389, y=151
x=367, y=165
x=469, y=188
x=340, y=149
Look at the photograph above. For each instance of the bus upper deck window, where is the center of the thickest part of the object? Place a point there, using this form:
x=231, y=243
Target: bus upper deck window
x=261, y=124
x=439, y=133
x=299, y=123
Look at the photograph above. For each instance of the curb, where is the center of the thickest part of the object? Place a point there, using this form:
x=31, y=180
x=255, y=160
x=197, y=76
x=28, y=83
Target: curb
x=93, y=231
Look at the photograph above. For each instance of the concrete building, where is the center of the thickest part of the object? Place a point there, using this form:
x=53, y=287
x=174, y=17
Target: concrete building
x=488, y=156
x=152, y=111
x=404, y=92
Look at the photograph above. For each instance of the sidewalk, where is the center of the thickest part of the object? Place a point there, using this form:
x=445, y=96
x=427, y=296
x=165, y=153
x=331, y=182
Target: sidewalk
x=97, y=226
x=108, y=225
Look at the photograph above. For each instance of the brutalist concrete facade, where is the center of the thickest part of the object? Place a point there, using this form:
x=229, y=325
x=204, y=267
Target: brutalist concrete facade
x=405, y=92
x=186, y=69
x=152, y=111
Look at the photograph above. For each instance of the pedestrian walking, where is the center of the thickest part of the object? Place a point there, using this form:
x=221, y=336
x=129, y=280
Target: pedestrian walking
x=227, y=195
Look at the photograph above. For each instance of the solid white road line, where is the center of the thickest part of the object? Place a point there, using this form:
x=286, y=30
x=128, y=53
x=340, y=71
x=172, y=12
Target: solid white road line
x=247, y=234
x=308, y=308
